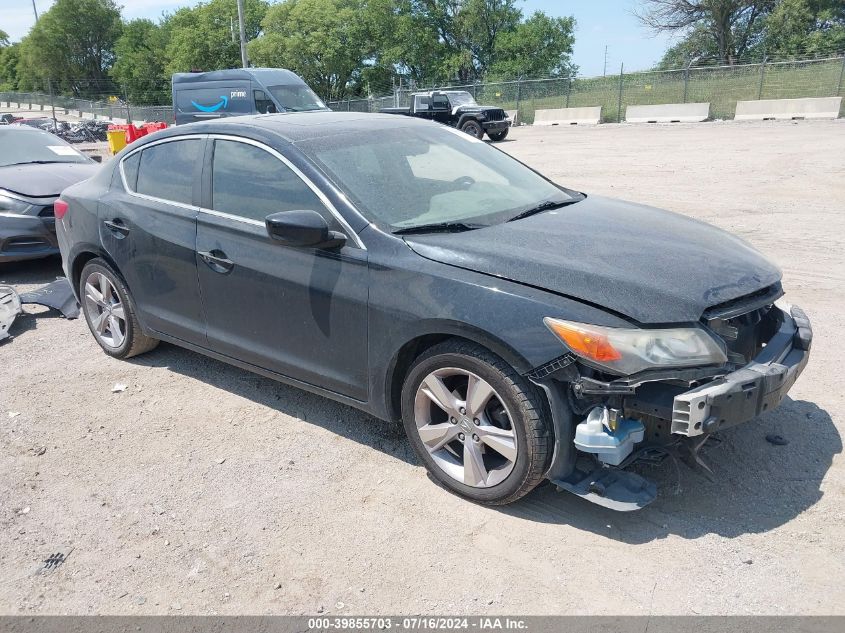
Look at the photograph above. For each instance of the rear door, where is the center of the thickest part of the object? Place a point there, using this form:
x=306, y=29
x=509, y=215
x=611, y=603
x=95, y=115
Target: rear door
x=300, y=312
x=148, y=227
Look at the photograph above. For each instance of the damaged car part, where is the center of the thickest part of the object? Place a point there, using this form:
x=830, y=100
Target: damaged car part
x=10, y=308
x=57, y=295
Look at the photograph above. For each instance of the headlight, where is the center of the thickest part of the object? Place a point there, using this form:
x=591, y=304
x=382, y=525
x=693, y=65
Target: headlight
x=628, y=351
x=10, y=203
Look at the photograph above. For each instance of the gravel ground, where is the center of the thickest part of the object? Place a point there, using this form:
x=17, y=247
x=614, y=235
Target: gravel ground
x=204, y=489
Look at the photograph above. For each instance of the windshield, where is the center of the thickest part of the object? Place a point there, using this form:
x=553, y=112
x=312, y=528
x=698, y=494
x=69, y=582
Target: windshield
x=429, y=174
x=297, y=98
x=27, y=145
x=461, y=99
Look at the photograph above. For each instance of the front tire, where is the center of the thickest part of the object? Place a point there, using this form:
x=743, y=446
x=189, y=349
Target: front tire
x=477, y=425
x=473, y=128
x=110, y=312
x=499, y=136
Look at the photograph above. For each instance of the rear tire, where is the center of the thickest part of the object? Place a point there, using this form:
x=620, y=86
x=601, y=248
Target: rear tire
x=473, y=128
x=498, y=136
x=110, y=312
x=492, y=449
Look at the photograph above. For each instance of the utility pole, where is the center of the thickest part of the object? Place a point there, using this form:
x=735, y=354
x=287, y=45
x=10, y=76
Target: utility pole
x=244, y=60
x=604, y=74
x=34, y=10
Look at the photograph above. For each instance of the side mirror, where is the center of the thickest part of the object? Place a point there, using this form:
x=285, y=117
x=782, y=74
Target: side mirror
x=97, y=158
x=303, y=228
x=271, y=109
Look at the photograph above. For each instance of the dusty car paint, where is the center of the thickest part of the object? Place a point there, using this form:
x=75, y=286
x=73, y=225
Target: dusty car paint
x=345, y=323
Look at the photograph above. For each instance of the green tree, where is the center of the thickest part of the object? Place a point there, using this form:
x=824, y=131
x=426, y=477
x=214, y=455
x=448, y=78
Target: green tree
x=733, y=26
x=9, y=58
x=72, y=44
x=697, y=45
x=540, y=46
x=806, y=27
x=139, y=66
x=4, y=39
x=205, y=37
x=327, y=42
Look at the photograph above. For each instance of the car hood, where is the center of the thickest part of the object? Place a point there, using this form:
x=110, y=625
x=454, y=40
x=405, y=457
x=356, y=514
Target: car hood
x=44, y=181
x=650, y=265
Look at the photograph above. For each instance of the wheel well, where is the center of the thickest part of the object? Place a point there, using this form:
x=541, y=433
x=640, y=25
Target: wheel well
x=85, y=257
x=78, y=265
x=408, y=353
x=414, y=348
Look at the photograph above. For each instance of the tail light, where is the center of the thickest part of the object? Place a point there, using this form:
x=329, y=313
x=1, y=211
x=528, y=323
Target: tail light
x=60, y=207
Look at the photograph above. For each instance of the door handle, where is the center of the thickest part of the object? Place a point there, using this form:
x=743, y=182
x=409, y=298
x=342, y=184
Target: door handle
x=117, y=226
x=217, y=261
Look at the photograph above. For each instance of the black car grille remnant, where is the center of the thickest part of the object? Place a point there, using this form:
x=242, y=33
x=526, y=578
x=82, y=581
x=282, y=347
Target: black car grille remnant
x=746, y=324
x=496, y=115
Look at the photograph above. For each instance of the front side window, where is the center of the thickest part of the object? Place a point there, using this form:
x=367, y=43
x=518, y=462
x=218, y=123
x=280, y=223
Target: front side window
x=263, y=103
x=415, y=176
x=167, y=170
x=249, y=182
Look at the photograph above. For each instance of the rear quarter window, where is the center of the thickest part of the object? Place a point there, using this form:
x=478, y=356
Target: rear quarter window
x=130, y=170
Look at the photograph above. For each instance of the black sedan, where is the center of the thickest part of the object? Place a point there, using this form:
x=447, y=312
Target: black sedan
x=415, y=272
x=34, y=168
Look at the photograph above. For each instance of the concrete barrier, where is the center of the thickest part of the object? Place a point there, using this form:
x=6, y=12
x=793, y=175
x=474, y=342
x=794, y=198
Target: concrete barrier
x=808, y=108
x=668, y=113
x=513, y=115
x=568, y=116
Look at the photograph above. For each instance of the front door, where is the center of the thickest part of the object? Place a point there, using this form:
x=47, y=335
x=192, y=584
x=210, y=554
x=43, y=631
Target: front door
x=301, y=312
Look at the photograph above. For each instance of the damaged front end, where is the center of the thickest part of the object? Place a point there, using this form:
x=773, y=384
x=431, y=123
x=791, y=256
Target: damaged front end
x=617, y=421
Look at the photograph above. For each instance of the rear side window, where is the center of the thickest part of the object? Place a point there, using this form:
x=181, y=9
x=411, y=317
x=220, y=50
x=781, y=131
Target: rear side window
x=251, y=183
x=167, y=170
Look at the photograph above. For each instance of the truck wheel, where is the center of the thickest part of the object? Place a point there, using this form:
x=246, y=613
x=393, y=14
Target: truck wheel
x=473, y=128
x=498, y=136
x=476, y=423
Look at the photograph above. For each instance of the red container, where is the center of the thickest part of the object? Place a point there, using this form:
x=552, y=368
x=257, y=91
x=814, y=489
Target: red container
x=155, y=126
x=133, y=133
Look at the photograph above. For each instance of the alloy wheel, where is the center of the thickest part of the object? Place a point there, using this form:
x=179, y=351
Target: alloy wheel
x=105, y=310
x=465, y=427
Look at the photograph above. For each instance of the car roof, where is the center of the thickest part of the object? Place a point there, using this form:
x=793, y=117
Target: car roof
x=299, y=126
x=267, y=76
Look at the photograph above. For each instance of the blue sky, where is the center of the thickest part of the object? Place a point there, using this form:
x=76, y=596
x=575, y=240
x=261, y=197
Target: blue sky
x=600, y=23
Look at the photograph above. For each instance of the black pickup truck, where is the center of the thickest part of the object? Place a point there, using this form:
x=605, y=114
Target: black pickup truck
x=458, y=109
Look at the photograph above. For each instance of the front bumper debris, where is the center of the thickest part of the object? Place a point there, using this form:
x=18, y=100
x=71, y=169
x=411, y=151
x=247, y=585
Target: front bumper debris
x=10, y=308
x=57, y=295
x=754, y=389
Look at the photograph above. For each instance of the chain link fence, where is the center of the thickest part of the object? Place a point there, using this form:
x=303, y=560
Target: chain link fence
x=721, y=86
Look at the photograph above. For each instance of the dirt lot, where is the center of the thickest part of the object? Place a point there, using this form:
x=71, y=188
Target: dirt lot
x=205, y=489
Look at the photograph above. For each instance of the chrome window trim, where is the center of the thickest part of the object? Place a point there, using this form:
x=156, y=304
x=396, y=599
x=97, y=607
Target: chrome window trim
x=144, y=196
x=229, y=216
x=320, y=195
